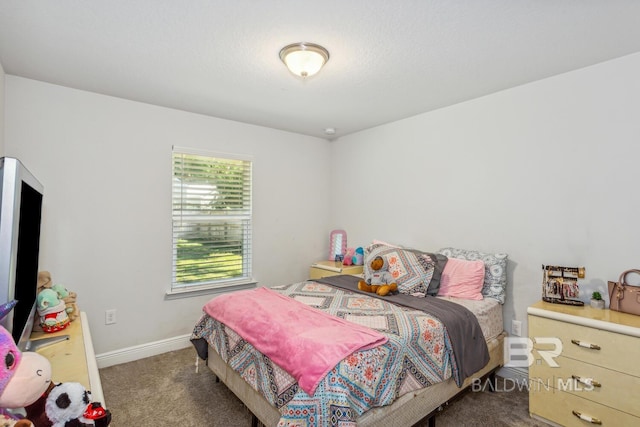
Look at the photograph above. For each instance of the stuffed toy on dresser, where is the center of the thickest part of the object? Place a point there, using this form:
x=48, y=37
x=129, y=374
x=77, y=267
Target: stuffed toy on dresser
x=57, y=305
x=24, y=377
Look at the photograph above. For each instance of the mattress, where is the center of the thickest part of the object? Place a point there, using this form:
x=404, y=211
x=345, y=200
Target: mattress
x=488, y=311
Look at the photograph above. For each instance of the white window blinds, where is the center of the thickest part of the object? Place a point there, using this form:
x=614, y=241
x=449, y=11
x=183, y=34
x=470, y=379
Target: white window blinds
x=211, y=200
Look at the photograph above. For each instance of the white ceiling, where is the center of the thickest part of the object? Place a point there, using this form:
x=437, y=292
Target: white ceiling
x=390, y=59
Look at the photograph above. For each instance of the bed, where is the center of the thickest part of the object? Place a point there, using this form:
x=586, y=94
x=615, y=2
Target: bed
x=420, y=366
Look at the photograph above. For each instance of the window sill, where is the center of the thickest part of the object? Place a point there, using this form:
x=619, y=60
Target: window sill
x=206, y=290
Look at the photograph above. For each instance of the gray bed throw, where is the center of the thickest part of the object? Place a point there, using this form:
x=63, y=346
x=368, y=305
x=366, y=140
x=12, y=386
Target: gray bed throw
x=469, y=346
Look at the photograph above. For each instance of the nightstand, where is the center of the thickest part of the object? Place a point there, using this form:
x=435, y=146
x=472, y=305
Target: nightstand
x=321, y=269
x=597, y=380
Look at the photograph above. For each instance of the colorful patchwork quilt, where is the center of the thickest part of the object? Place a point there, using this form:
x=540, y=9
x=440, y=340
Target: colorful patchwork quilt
x=418, y=353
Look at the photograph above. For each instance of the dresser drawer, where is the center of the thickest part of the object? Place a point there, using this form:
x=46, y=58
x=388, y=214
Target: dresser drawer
x=616, y=351
x=559, y=406
x=611, y=383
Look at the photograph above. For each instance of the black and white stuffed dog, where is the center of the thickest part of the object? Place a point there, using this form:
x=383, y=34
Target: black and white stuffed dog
x=69, y=405
x=66, y=404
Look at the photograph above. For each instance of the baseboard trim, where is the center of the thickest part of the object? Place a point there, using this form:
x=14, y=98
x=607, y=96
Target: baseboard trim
x=141, y=351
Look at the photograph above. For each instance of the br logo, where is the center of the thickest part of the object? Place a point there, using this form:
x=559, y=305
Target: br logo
x=519, y=351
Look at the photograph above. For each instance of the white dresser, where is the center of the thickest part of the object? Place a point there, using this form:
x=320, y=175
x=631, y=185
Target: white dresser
x=597, y=380
x=74, y=360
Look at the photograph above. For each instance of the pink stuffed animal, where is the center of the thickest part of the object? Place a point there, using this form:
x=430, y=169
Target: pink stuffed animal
x=23, y=377
x=348, y=256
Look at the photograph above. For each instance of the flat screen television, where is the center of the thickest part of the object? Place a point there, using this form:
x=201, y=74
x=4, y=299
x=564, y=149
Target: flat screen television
x=20, y=220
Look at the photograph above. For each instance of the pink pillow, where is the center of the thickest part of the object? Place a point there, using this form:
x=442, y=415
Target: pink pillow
x=462, y=279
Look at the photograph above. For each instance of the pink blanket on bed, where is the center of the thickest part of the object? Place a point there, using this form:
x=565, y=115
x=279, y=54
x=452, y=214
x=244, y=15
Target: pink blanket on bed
x=303, y=341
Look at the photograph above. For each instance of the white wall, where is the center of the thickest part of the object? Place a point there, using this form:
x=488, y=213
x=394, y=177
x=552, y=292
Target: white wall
x=2, y=77
x=105, y=164
x=548, y=172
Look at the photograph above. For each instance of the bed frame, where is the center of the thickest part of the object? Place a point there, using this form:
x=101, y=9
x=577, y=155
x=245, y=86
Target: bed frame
x=408, y=410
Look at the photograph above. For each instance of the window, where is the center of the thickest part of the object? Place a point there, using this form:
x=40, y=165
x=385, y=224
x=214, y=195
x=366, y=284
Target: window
x=211, y=200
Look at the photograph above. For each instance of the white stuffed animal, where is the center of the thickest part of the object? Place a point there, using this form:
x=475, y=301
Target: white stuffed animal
x=67, y=402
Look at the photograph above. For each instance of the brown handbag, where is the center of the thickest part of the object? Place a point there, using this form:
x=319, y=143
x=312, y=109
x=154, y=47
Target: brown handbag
x=624, y=297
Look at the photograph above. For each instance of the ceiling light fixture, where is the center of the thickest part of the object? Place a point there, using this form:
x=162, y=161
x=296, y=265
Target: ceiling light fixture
x=304, y=59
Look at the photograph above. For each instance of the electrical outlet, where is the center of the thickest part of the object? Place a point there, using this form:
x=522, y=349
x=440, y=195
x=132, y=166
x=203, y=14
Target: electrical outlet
x=516, y=328
x=110, y=317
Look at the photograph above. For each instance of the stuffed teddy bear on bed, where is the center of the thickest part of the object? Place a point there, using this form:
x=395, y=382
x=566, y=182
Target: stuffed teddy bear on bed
x=381, y=281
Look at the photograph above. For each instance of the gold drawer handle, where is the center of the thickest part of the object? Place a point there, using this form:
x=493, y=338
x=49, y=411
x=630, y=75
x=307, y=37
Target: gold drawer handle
x=587, y=381
x=587, y=418
x=586, y=344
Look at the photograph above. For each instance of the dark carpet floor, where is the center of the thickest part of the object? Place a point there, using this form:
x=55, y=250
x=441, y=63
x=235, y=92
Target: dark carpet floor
x=165, y=390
